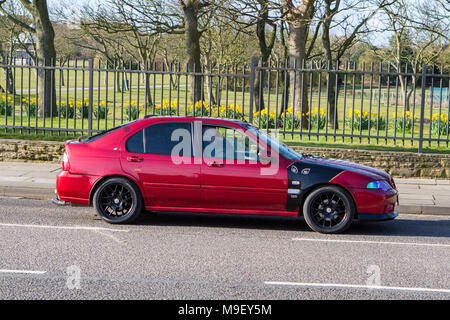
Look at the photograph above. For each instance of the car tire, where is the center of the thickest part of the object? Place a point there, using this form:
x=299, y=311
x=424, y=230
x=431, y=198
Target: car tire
x=118, y=200
x=329, y=209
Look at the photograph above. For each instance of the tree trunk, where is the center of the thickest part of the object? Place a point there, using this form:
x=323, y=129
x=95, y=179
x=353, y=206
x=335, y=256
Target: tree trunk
x=332, y=105
x=118, y=78
x=147, y=83
x=172, y=79
x=46, y=55
x=265, y=49
x=10, y=83
x=297, y=55
x=409, y=94
x=125, y=83
x=61, y=76
x=259, y=86
x=265, y=54
x=284, y=81
x=219, y=90
x=402, y=88
x=298, y=19
x=209, y=85
x=193, y=50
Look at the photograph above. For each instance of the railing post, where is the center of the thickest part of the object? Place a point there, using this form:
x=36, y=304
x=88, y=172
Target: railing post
x=253, y=66
x=422, y=107
x=7, y=75
x=91, y=96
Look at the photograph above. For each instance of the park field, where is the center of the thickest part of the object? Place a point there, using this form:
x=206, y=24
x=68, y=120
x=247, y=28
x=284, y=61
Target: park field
x=369, y=115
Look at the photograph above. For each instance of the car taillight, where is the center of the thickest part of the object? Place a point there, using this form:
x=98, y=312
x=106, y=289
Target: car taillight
x=65, y=163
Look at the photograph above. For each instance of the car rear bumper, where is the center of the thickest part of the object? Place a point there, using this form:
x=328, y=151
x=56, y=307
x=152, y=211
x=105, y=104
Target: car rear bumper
x=74, y=188
x=377, y=217
x=57, y=201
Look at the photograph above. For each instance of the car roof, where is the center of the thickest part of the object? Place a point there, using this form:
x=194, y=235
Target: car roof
x=151, y=118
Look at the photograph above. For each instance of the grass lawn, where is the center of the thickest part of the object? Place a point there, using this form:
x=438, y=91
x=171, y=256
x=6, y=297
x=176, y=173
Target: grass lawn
x=351, y=103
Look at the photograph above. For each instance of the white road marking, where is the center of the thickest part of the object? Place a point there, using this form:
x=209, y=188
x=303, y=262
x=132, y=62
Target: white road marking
x=354, y=286
x=60, y=227
x=116, y=239
x=375, y=242
x=22, y=271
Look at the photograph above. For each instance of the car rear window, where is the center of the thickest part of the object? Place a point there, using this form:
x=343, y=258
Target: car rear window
x=158, y=138
x=106, y=132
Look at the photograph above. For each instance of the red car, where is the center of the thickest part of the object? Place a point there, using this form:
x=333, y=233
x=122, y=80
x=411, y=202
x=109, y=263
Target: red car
x=211, y=165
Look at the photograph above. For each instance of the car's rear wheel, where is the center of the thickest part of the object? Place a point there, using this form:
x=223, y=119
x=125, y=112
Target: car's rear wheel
x=329, y=209
x=118, y=200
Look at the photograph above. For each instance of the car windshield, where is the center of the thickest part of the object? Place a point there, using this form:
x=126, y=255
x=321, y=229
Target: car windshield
x=283, y=149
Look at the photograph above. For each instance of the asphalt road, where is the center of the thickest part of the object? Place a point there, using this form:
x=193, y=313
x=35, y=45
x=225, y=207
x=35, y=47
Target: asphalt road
x=44, y=248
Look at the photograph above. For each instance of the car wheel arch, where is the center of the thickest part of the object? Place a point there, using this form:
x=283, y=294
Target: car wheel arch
x=104, y=178
x=308, y=191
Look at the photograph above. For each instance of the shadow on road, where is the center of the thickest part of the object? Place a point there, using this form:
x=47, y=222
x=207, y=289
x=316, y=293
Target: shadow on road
x=404, y=226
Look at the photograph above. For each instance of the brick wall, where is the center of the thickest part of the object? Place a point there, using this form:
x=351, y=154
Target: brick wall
x=24, y=150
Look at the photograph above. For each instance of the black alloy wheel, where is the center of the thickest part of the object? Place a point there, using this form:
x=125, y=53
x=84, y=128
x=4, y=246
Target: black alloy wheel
x=329, y=209
x=118, y=200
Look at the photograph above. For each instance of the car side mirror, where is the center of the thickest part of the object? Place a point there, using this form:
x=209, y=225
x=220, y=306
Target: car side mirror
x=265, y=156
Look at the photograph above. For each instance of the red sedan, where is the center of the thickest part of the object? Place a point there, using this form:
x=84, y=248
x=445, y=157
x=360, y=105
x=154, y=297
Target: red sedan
x=213, y=165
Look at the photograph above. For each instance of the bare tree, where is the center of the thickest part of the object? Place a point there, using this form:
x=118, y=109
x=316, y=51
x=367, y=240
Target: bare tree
x=350, y=18
x=417, y=38
x=115, y=21
x=42, y=29
x=148, y=20
x=192, y=11
x=256, y=17
x=8, y=46
x=298, y=18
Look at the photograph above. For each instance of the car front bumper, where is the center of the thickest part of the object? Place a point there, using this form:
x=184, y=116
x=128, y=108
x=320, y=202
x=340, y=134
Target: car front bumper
x=377, y=217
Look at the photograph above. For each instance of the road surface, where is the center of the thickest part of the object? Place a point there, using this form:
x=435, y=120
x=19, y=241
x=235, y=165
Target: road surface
x=49, y=252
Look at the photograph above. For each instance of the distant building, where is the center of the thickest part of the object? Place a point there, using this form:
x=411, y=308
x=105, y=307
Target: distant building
x=22, y=55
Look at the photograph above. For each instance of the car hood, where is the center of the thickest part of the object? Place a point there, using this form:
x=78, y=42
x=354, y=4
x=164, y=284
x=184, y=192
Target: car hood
x=350, y=166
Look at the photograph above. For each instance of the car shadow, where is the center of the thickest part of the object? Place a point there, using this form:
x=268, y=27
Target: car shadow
x=211, y=220
x=403, y=226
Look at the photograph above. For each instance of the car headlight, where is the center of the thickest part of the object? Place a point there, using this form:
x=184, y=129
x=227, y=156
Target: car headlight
x=380, y=184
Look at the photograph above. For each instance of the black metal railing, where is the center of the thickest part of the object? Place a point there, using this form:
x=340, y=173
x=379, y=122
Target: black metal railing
x=314, y=101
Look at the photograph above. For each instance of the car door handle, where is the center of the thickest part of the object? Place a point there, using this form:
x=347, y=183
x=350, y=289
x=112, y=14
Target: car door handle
x=215, y=164
x=135, y=159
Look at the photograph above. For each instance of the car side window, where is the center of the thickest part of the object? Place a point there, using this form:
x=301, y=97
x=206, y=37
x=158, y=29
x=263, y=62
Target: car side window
x=135, y=143
x=227, y=143
x=161, y=138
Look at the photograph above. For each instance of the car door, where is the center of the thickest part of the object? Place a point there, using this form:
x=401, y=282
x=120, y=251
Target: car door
x=233, y=175
x=168, y=174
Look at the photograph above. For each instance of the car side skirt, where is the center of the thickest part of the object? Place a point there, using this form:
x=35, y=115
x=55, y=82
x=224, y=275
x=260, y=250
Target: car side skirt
x=222, y=211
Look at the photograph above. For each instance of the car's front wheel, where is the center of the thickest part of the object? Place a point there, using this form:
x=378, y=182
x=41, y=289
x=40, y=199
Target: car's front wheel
x=118, y=200
x=329, y=209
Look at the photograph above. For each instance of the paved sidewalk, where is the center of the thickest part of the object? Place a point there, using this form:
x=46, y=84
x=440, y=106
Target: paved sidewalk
x=426, y=196
x=37, y=181
x=28, y=180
